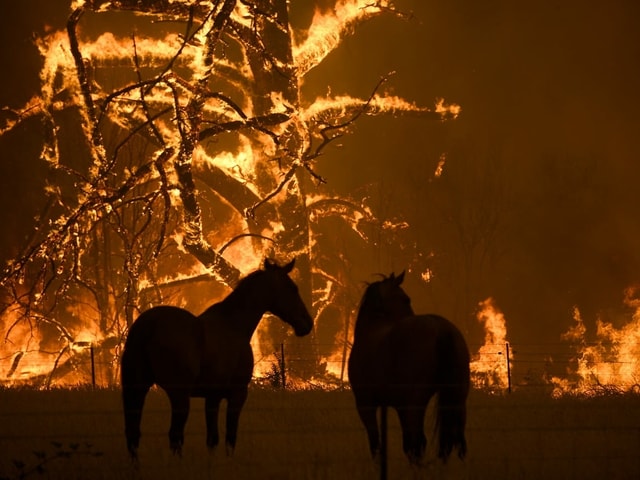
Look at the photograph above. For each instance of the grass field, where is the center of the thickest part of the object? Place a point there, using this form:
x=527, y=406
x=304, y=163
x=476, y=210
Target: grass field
x=316, y=435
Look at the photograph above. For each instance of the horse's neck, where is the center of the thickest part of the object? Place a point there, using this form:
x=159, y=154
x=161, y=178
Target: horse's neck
x=371, y=325
x=242, y=309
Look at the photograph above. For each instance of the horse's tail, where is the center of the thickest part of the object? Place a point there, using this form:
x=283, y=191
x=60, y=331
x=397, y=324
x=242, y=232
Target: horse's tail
x=452, y=396
x=136, y=377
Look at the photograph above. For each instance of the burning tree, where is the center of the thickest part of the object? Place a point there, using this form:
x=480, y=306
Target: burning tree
x=179, y=153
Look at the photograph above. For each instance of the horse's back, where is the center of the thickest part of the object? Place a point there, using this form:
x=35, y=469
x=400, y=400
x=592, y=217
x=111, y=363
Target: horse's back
x=430, y=330
x=432, y=339
x=167, y=340
x=419, y=350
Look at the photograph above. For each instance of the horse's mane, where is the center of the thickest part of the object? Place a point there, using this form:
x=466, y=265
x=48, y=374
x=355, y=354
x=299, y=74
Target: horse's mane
x=373, y=301
x=246, y=284
x=243, y=285
x=371, y=294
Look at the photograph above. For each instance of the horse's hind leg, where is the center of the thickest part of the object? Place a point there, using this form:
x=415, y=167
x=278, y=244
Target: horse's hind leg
x=133, y=400
x=179, y=399
x=211, y=409
x=414, y=441
x=235, y=402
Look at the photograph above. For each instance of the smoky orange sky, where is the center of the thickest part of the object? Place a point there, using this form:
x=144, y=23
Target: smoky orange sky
x=541, y=167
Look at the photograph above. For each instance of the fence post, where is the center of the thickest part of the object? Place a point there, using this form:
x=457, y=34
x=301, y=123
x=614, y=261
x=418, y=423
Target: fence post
x=508, y=368
x=282, y=367
x=93, y=366
x=383, y=443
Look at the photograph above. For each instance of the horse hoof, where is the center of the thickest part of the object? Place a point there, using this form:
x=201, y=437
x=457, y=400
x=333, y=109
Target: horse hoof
x=212, y=444
x=133, y=452
x=133, y=456
x=415, y=459
x=176, y=449
x=230, y=449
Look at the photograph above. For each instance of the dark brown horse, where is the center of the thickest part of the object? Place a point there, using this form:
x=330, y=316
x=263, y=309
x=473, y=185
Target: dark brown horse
x=206, y=356
x=401, y=360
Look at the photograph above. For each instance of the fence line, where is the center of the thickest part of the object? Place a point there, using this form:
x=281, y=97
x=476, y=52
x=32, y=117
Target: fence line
x=527, y=365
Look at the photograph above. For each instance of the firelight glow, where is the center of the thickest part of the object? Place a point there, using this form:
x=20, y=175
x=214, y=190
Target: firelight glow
x=260, y=152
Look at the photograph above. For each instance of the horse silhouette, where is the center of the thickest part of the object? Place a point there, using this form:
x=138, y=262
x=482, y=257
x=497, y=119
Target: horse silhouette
x=206, y=356
x=401, y=360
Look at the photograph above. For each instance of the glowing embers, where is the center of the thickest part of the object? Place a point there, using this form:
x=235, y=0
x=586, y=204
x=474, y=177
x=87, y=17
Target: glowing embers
x=611, y=364
x=490, y=367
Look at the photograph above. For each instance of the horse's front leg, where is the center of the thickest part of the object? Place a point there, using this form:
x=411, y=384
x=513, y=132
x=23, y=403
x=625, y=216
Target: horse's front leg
x=179, y=399
x=235, y=401
x=211, y=409
x=133, y=400
x=367, y=415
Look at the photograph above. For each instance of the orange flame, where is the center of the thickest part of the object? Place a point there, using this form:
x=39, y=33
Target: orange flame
x=23, y=360
x=489, y=368
x=612, y=363
x=328, y=28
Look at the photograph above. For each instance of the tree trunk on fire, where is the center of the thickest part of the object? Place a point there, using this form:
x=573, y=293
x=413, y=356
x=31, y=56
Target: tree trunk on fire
x=277, y=77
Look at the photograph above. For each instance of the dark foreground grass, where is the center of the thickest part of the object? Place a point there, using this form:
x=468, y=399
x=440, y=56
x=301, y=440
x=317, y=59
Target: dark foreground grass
x=78, y=434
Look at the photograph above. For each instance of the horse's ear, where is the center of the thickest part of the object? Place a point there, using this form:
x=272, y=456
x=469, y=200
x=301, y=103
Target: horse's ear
x=268, y=264
x=399, y=279
x=289, y=266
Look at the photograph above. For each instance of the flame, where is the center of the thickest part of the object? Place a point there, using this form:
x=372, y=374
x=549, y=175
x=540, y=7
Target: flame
x=25, y=357
x=328, y=28
x=612, y=363
x=19, y=352
x=445, y=109
x=427, y=275
x=489, y=367
x=324, y=108
x=440, y=166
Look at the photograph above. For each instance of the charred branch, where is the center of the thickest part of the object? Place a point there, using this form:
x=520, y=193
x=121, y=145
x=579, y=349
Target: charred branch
x=257, y=123
x=85, y=86
x=251, y=211
x=241, y=236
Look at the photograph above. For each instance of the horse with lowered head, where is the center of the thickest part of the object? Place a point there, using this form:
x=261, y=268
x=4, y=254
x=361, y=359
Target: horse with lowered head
x=206, y=356
x=401, y=360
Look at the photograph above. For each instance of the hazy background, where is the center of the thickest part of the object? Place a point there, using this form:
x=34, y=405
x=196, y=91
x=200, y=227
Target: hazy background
x=537, y=205
x=545, y=151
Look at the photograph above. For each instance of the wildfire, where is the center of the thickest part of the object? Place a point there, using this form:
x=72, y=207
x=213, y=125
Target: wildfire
x=119, y=194
x=26, y=357
x=490, y=367
x=611, y=363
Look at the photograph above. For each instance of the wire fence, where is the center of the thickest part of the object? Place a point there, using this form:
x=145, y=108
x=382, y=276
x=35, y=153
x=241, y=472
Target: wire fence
x=497, y=367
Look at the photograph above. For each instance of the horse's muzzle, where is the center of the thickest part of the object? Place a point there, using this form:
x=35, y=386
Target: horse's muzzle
x=304, y=327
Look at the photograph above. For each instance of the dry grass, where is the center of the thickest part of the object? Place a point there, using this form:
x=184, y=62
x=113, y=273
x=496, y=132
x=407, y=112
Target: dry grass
x=317, y=435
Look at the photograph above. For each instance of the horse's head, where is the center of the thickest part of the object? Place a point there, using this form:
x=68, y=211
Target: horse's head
x=285, y=301
x=386, y=299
